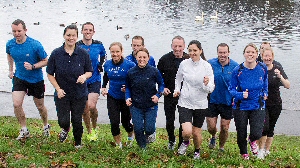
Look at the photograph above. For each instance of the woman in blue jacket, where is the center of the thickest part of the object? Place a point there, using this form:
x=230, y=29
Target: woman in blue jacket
x=249, y=88
x=115, y=71
x=142, y=97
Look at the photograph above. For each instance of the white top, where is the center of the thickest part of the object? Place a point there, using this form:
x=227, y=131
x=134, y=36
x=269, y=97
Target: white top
x=193, y=94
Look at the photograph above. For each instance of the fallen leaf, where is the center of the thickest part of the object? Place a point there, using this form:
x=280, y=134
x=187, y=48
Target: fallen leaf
x=18, y=156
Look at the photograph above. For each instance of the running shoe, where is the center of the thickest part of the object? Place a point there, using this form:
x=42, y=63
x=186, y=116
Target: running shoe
x=151, y=138
x=197, y=155
x=129, y=141
x=253, y=147
x=93, y=136
x=261, y=154
x=171, y=145
x=23, y=134
x=245, y=156
x=78, y=147
x=267, y=153
x=183, y=148
x=212, y=143
x=47, y=130
x=63, y=135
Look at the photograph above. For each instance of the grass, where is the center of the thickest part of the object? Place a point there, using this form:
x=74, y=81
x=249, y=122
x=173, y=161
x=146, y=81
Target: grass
x=39, y=151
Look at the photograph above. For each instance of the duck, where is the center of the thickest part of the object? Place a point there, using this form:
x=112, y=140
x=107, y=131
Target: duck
x=126, y=36
x=200, y=18
x=62, y=25
x=119, y=27
x=214, y=17
x=36, y=23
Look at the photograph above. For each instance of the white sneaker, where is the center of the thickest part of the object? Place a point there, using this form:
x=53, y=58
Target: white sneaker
x=183, y=148
x=267, y=153
x=151, y=138
x=23, y=134
x=47, y=131
x=261, y=154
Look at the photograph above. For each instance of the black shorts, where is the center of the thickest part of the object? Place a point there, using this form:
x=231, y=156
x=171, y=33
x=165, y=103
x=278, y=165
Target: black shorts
x=196, y=117
x=36, y=90
x=94, y=87
x=215, y=109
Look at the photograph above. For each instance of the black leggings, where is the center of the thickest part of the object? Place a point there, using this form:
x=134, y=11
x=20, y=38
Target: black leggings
x=115, y=106
x=272, y=115
x=170, y=104
x=256, y=121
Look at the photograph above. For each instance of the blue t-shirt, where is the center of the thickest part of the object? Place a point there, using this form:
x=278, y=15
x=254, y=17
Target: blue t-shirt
x=222, y=77
x=255, y=81
x=97, y=52
x=30, y=51
x=117, y=77
x=132, y=58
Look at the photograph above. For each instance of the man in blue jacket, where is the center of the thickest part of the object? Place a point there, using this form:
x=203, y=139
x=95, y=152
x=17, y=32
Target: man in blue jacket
x=138, y=43
x=220, y=99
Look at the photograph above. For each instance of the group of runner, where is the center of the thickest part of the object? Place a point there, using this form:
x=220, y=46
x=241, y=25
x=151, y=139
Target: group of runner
x=200, y=89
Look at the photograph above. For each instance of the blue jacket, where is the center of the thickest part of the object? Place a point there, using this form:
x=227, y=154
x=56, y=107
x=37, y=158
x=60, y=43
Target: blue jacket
x=255, y=80
x=116, y=75
x=132, y=58
x=222, y=77
x=141, y=86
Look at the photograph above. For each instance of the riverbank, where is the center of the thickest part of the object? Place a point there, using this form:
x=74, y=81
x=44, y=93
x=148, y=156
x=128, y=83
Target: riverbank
x=287, y=122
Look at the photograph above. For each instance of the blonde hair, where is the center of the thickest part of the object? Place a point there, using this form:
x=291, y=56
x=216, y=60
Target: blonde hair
x=251, y=45
x=267, y=49
x=117, y=44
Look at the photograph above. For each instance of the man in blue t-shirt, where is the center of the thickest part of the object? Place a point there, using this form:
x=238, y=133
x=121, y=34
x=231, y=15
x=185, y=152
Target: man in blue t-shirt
x=97, y=55
x=136, y=44
x=29, y=57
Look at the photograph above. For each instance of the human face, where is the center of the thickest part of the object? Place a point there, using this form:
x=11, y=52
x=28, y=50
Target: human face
x=70, y=37
x=88, y=32
x=178, y=47
x=267, y=57
x=136, y=45
x=194, y=52
x=142, y=58
x=263, y=46
x=19, y=32
x=223, y=54
x=116, y=53
x=250, y=54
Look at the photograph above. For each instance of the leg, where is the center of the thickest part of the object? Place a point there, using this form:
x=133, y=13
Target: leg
x=212, y=125
x=92, y=102
x=197, y=137
x=39, y=103
x=241, y=122
x=150, y=120
x=125, y=118
x=18, y=98
x=187, y=130
x=273, y=117
x=113, y=106
x=86, y=118
x=63, y=112
x=138, y=117
x=256, y=121
x=269, y=143
x=223, y=132
x=198, y=120
x=170, y=108
x=77, y=108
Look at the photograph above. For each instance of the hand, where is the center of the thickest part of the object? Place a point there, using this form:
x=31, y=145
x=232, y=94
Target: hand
x=123, y=89
x=28, y=66
x=245, y=94
x=11, y=74
x=265, y=97
x=205, y=80
x=166, y=91
x=104, y=92
x=60, y=93
x=176, y=93
x=277, y=73
x=81, y=79
x=128, y=102
x=154, y=99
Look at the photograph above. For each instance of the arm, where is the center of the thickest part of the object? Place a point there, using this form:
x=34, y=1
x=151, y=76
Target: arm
x=160, y=82
x=208, y=81
x=178, y=80
x=238, y=95
x=60, y=92
x=283, y=77
x=10, y=61
x=104, y=83
x=128, y=92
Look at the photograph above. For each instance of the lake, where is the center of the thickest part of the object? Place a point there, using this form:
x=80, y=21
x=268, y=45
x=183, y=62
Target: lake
x=158, y=21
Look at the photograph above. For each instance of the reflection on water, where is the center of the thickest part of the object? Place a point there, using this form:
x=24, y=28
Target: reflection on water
x=158, y=21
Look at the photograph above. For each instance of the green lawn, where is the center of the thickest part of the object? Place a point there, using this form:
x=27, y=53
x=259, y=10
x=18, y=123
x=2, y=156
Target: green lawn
x=39, y=151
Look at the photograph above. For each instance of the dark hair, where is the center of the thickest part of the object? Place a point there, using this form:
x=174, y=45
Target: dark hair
x=265, y=42
x=19, y=21
x=87, y=23
x=117, y=44
x=139, y=38
x=223, y=45
x=250, y=45
x=72, y=26
x=198, y=44
x=143, y=49
x=179, y=38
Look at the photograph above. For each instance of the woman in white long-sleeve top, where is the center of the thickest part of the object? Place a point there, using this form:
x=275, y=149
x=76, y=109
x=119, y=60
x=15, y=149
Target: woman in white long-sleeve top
x=194, y=80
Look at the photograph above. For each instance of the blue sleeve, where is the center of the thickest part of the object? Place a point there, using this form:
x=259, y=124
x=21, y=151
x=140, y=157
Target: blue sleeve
x=265, y=87
x=102, y=52
x=51, y=64
x=128, y=88
x=160, y=83
x=152, y=61
x=238, y=95
x=41, y=51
